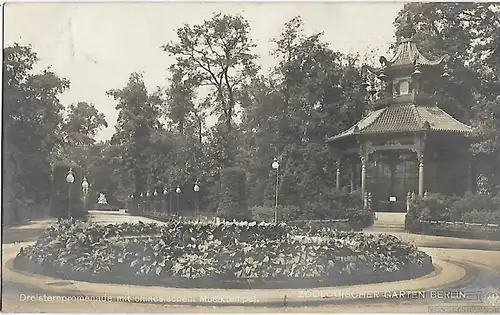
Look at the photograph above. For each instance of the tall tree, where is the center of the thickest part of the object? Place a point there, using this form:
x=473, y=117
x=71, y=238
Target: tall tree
x=32, y=127
x=313, y=93
x=182, y=108
x=80, y=128
x=487, y=148
x=180, y=96
x=84, y=121
x=138, y=118
x=470, y=34
x=217, y=53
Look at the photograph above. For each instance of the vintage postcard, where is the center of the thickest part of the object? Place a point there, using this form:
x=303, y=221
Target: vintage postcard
x=245, y=157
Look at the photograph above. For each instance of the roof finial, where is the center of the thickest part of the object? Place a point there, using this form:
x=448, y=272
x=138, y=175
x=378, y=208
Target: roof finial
x=406, y=29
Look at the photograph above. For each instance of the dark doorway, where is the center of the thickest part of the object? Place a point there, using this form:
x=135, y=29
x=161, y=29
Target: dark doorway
x=390, y=179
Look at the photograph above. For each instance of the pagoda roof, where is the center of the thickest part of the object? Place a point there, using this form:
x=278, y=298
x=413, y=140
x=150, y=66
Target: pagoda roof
x=405, y=118
x=407, y=54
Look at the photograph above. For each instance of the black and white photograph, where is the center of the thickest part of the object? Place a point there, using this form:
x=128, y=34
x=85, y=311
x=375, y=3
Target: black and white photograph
x=251, y=157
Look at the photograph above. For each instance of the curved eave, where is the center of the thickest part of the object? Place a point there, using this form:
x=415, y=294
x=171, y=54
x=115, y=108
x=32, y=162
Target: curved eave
x=406, y=119
x=470, y=132
x=339, y=137
x=460, y=126
x=360, y=125
x=407, y=55
x=473, y=134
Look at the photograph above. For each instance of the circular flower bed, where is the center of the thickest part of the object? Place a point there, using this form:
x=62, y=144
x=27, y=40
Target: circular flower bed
x=230, y=254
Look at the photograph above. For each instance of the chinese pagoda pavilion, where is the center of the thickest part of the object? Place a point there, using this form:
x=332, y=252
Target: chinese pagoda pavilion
x=407, y=143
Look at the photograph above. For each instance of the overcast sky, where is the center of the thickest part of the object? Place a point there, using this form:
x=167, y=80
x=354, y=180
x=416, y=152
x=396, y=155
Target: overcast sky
x=98, y=45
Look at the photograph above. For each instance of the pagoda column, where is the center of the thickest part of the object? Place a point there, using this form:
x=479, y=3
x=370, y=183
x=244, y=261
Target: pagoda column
x=363, y=175
x=421, y=177
x=365, y=150
x=420, y=157
x=354, y=170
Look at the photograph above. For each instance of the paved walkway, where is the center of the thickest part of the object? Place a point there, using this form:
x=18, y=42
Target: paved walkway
x=393, y=220
x=455, y=265
x=112, y=217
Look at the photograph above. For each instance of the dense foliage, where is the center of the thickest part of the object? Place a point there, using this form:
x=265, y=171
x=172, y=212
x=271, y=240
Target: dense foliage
x=468, y=33
x=31, y=121
x=37, y=136
x=482, y=209
x=212, y=253
x=233, y=195
x=311, y=92
x=339, y=206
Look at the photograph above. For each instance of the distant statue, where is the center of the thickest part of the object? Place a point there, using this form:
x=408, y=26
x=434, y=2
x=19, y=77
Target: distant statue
x=102, y=199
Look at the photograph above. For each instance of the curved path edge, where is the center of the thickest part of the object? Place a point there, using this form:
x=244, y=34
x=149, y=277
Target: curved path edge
x=446, y=274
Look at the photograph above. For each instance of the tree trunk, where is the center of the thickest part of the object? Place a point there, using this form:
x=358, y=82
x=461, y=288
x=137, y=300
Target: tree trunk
x=181, y=127
x=200, y=131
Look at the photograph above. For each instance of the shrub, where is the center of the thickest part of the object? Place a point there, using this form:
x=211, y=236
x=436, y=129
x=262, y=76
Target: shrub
x=435, y=207
x=342, y=199
x=482, y=216
x=356, y=219
x=286, y=213
x=233, y=199
x=314, y=226
x=220, y=252
x=317, y=210
x=262, y=214
x=290, y=213
x=360, y=218
x=332, y=205
x=471, y=208
x=412, y=221
x=475, y=202
x=60, y=192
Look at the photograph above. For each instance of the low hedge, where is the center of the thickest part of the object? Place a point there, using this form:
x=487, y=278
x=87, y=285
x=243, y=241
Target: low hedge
x=337, y=219
x=220, y=255
x=474, y=209
x=328, y=207
x=233, y=195
x=460, y=229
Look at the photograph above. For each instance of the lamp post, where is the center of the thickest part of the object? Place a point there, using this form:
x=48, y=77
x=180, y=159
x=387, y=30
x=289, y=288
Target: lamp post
x=142, y=202
x=69, y=179
x=85, y=190
x=155, y=200
x=170, y=207
x=196, y=189
x=147, y=200
x=130, y=203
x=276, y=166
x=178, y=191
x=164, y=201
